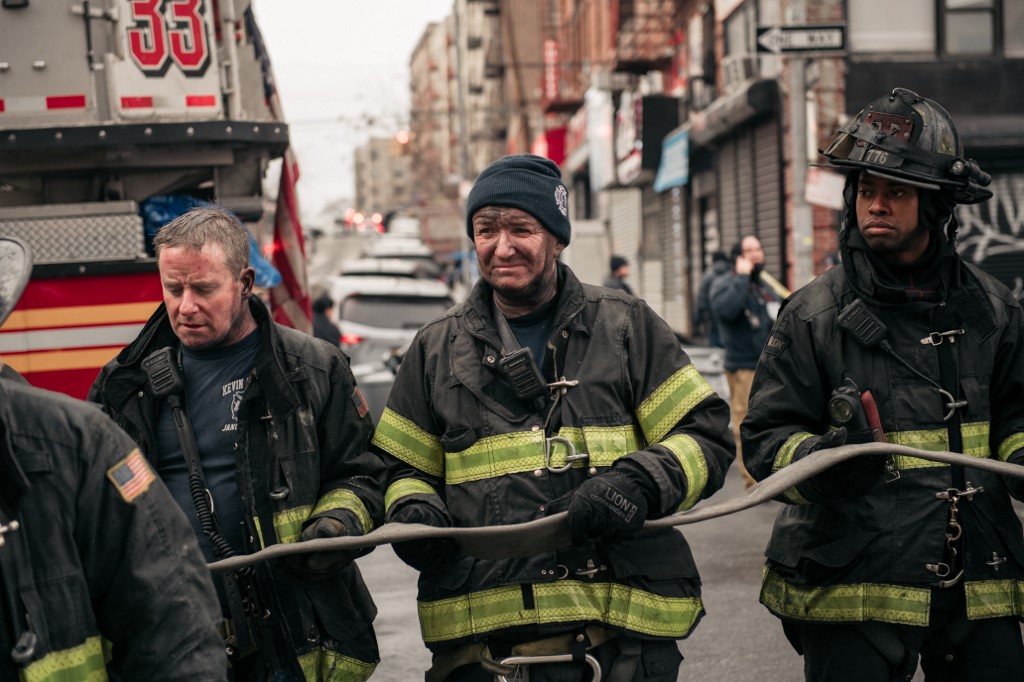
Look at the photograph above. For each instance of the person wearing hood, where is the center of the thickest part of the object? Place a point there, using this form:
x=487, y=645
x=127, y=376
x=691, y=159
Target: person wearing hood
x=703, y=319
x=883, y=563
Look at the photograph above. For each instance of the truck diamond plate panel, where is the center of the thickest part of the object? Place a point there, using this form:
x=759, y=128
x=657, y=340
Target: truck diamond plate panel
x=77, y=232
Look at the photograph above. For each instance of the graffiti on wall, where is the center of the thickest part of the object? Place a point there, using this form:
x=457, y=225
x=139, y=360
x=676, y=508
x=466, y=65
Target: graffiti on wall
x=992, y=233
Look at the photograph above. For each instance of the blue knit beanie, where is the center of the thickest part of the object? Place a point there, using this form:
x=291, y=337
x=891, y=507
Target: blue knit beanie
x=527, y=182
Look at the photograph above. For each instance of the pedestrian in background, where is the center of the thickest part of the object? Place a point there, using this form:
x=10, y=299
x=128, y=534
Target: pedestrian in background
x=477, y=432
x=100, y=573
x=618, y=272
x=323, y=328
x=878, y=563
x=703, y=319
x=262, y=436
x=744, y=307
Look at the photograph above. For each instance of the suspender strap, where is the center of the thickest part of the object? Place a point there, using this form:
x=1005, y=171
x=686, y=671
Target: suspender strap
x=243, y=643
x=625, y=665
x=19, y=592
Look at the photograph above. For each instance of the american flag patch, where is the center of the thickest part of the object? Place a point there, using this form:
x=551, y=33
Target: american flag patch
x=360, y=402
x=131, y=476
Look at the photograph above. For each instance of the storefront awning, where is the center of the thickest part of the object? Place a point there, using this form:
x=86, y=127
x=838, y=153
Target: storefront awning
x=727, y=113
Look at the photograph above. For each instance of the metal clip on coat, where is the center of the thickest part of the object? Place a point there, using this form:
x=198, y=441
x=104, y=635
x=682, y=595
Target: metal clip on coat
x=573, y=456
x=936, y=338
x=517, y=661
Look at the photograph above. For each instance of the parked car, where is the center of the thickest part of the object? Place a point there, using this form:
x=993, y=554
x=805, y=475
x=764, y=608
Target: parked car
x=377, y=315
x=406, y=249
x=389, y=267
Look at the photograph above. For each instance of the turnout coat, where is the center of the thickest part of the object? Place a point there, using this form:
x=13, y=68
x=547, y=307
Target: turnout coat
x=302, y=430
x=455, y=435
x=877, y=556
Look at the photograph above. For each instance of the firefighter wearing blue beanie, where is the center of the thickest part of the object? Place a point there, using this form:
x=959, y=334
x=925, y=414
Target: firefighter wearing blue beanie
x=528, y=182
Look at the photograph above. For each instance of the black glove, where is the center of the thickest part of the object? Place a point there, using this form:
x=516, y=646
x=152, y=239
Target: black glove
x=320, y=565
x=610, y=506
x=849, y=478
x=429, y=555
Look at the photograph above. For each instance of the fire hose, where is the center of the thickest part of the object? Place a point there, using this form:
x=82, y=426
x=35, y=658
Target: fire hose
x=552, y=532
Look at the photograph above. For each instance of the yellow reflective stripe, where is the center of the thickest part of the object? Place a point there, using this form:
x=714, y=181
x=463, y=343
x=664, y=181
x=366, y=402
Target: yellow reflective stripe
x=846, y=603
x=405, y=487
x=604, y=444
x=568, y=601
x=994, y=598
x=691, y=458
x=288, y=523
x=323, y=665
x=1010, y=446
x=521, y=452
x=259, y=532
x=82, y=663
x=507, y=453
x=974, y=435
x=342, y=498
x=405, y=440
x=784, y=458
x=671, y=401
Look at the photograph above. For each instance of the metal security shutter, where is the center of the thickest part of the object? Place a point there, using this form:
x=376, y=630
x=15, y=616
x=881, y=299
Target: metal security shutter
x=770, y=228
x=728, y=190
x=746, y=187
x=625, y=225
x=651, y=254
x=674, y=266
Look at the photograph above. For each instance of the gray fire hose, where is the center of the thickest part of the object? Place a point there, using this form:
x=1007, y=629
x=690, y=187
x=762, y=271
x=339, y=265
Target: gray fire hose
x=552, y=532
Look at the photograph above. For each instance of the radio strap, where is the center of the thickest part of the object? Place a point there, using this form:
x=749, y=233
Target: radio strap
x=202, y=499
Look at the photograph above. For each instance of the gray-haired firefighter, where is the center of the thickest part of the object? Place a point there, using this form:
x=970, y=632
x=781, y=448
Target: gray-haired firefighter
x=880, y=563
x=540, y=394
x=100, y=573
x=263, y=437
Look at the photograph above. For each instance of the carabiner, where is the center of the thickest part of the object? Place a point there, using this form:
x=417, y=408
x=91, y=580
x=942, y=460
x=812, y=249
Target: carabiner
x=569, y=459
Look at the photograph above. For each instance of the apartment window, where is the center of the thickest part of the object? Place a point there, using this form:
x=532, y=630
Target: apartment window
x=892, y=27
x=1013, y=28
x=969, y=26
x=740, y=29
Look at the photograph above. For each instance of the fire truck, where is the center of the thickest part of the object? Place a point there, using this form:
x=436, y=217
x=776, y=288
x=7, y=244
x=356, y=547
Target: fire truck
x=111, y=110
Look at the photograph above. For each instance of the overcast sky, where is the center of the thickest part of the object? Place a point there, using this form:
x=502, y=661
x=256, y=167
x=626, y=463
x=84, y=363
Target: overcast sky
x=342, y=69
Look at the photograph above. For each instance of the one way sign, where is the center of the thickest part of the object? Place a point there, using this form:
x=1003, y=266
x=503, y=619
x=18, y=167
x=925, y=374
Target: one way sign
x=814, y=38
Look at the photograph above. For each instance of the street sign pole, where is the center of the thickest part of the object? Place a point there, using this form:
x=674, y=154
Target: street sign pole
x=797, y=43
x=803, y=224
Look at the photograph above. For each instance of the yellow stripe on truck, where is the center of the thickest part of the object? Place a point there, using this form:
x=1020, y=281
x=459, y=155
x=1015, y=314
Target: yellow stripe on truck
x=56, y=360
x=79, y=315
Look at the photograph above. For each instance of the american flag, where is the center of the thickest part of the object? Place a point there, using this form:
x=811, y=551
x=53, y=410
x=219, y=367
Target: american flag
x=131, y=476
x=290, y=300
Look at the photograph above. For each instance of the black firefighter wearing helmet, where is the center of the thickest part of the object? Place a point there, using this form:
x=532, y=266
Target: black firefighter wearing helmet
x=881, y=564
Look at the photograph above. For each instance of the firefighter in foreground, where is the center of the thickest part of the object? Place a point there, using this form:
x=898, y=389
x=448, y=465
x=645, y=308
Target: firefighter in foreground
x=262, y=436
x=879, y=563
x=540, y=394
x=91, y=546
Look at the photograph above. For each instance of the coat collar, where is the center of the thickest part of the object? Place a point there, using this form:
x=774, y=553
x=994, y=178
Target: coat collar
x=479, y=305
x=157, y=333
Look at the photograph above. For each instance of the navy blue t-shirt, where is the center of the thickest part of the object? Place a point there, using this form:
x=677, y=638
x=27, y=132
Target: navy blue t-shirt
x=533, y=329
x=215, y=380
